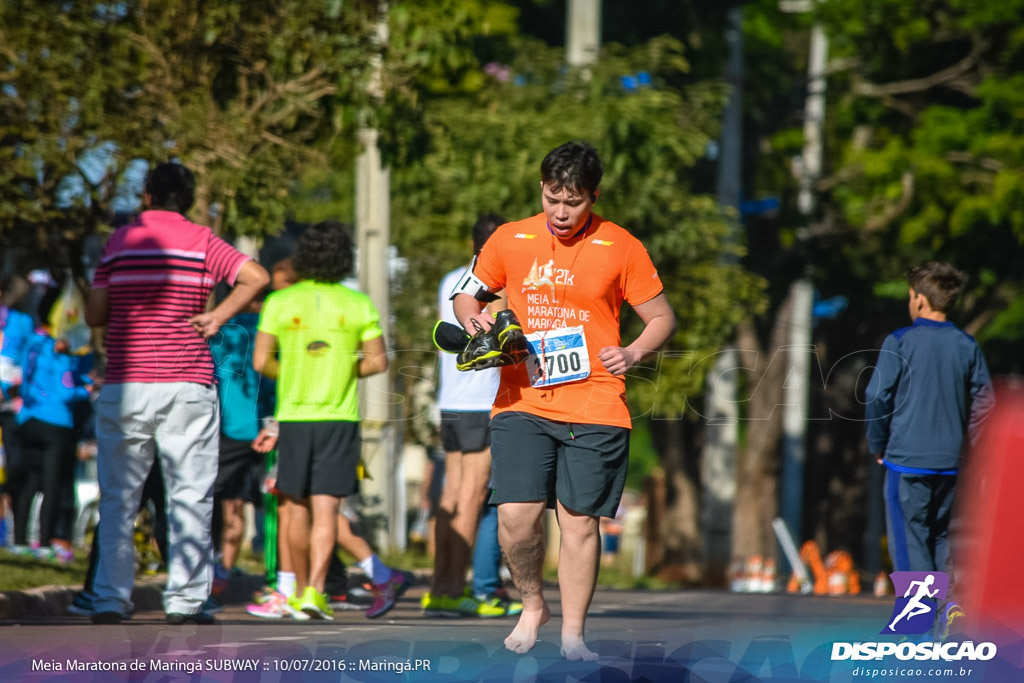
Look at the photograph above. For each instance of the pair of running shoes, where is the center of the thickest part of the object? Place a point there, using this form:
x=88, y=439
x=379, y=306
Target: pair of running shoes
x=377, y=600
x=503, y=344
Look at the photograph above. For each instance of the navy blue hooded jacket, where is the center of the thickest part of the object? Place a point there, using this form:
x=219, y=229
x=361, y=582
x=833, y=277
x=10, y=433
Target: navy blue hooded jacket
x=930, y=389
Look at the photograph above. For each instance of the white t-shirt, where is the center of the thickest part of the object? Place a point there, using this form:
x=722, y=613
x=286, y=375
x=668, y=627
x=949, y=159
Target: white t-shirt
x=472, y=390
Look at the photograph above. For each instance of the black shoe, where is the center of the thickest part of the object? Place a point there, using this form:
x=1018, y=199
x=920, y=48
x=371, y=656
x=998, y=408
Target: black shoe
x=201, y=618
x=449, y=337
x=82, y=604
x=503, y=344
x=107, y=618
x=481, y=352
x=510, y=337
x=351, y=599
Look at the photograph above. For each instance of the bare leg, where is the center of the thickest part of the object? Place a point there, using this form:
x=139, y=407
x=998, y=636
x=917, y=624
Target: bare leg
x=234, y=528
x=298, y=540
x=322, y=538
x=522, y=545
x=350, y=542
x=467, y=491
x=578, y=556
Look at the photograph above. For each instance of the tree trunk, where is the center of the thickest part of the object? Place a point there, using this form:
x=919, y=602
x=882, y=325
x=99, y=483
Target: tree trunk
x=757, y=462
x=679, y=527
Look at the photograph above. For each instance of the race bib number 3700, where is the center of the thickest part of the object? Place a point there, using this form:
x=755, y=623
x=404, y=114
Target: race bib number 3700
x=558, y=356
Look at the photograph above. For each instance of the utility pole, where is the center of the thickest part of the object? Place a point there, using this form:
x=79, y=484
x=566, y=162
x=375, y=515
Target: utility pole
x=800, y=351
x=583, y=32
x=718, y=473
x=373, y=238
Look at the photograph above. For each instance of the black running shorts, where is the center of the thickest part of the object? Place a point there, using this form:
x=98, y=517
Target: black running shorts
x=239, y=471
x=468, y=431
x=318, y=458
x=581, y=465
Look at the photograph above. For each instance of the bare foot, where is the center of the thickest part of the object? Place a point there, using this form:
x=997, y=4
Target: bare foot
x=575, y=650
x=524, y=635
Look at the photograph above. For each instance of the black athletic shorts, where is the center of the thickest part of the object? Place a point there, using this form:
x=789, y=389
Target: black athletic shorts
x=318, y=458
x=239, y=471
x=581, y=465
x=468, y=431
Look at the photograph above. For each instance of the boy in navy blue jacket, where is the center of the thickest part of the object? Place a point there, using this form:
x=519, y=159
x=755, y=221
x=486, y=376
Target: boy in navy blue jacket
x=928, y=395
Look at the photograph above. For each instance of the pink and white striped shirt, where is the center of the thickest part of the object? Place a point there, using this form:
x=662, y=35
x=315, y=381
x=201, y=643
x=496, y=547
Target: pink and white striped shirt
x=159, y=272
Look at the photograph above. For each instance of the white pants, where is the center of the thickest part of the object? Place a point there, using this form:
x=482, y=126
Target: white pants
x=180, y=423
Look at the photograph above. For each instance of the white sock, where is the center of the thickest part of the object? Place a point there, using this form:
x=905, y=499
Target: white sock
x=375, y=569
x=286, y=583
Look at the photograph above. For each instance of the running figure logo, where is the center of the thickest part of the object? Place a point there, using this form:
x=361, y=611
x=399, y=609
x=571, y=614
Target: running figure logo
x=541, y=277
x=914, y=612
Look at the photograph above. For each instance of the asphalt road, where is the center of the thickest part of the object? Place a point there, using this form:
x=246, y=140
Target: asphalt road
x=641, y=635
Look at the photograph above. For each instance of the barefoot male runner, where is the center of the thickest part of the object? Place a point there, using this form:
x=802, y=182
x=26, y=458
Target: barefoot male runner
x=560, y=433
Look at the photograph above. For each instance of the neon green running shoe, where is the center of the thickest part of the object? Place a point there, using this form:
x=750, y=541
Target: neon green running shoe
x=510, y=606
x=464, y=606
x=314, y=603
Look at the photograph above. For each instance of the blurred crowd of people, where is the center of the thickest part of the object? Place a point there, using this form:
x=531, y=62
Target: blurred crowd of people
x=188, y=427
x=186, y=386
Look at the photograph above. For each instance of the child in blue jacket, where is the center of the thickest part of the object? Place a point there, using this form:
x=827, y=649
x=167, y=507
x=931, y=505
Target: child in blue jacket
x=926, y=400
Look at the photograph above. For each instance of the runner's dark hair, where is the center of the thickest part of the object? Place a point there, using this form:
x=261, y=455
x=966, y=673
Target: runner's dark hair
x=574, y=166
x=324, y=252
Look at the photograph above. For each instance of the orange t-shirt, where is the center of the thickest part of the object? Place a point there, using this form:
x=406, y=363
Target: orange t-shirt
x=552, y=284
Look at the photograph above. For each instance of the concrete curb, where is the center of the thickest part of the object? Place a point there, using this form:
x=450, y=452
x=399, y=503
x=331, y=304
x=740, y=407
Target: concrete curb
x=53, y=601
x=147, y=595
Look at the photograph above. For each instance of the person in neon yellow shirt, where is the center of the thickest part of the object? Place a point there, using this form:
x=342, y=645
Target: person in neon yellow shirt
x=325, y=336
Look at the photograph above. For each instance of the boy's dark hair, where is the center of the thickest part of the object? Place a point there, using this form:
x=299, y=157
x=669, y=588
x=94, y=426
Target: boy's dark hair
x=171, y=187
x=939, y=282
x=574, y=166
x=484, y=227
x=324, y=252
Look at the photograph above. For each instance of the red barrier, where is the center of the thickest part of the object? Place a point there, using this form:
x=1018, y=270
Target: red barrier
x=990, y=499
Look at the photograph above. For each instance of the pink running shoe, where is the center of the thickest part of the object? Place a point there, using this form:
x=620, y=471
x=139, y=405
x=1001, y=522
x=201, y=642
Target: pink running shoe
x=386, y=594
x=275, y=607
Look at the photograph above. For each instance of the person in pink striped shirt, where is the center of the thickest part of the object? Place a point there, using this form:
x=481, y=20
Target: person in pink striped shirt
x=158, y=398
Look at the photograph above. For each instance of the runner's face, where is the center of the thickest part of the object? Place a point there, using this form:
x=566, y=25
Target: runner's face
x=566, y=212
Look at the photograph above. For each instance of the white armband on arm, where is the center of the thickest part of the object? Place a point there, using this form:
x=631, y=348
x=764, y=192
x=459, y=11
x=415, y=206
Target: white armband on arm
x=470, y=284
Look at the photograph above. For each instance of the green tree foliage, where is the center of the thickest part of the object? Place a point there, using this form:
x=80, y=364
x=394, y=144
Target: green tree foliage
x=929, y=144
x=465, y=136
x=246, y=93
x=67, y=82
x=922, y=160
